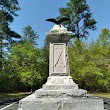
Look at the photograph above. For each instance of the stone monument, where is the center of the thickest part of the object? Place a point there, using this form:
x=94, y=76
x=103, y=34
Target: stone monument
x=60, y=92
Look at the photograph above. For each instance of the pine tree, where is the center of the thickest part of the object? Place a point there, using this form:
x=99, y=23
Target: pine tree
x=26, y=58
x=80, y=17
x=8, y=10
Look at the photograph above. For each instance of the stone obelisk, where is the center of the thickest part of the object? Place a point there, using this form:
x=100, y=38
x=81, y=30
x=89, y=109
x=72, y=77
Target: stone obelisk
x=60, y=92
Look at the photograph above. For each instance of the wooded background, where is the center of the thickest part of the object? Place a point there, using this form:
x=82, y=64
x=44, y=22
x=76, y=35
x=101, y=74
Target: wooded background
x=24, y=66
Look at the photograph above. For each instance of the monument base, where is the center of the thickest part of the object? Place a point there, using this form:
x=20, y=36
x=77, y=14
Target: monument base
x=60, y=83
x=60, y=93
x=76, y=103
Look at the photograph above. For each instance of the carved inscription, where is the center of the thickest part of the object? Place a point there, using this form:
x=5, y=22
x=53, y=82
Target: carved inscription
x=59, y=58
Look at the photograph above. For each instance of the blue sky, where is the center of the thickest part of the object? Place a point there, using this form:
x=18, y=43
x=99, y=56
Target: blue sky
x=34, y=13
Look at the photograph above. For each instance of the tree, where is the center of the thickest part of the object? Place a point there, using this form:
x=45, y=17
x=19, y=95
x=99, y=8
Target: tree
x=29, y=35
x=104, y=62
x=9, y=79
x=80, y=17
x=90, y=63
x=8, y=10
x=26, y=59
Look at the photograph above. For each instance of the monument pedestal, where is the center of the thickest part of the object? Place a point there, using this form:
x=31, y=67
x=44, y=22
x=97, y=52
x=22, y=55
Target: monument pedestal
x=60, y=87
x=76, y=103
x=60, y=92
x=60, y=83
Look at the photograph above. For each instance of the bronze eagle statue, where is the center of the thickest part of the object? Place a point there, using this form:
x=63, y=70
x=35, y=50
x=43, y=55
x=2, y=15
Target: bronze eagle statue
x=58, y=22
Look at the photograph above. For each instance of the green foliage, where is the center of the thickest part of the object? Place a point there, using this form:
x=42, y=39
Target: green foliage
x=26, y=66
x=80, y=18
x=8, y=10
x=9, y=80
x=90, y=64
x=29, y=35
x=26, y=59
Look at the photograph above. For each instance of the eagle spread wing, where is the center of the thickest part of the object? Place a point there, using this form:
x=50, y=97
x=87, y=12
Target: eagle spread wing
x=58, y=22
x=52, y=20
x=63, y=19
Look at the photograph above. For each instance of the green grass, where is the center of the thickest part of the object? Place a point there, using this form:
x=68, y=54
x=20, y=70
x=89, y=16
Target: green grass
x=11, y=96
x=105, y=95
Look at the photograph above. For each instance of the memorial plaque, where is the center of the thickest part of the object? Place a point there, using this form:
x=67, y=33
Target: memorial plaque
x=59, y=58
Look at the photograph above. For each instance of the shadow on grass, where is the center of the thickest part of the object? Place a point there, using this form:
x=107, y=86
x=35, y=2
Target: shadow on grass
x=12, y=97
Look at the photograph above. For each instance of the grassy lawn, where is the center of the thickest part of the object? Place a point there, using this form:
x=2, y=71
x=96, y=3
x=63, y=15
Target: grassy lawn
x=105, y=95
x=11, y=96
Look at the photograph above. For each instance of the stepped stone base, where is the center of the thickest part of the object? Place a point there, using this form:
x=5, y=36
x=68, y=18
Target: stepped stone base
x=60, y=83
x=76, y=103
x=60, y=93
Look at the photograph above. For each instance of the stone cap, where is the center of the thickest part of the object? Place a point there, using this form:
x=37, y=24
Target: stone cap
x=58, y=34
x=58, y=29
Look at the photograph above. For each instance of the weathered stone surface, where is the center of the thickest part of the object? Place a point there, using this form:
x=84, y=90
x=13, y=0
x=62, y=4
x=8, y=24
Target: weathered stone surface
x=60, y=83
x=60, y=93
x=58, y=59
x=58, y=34
x=58, y=63
x=32, y=103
